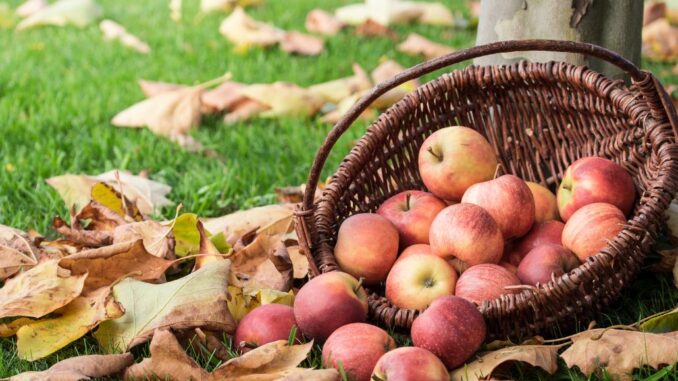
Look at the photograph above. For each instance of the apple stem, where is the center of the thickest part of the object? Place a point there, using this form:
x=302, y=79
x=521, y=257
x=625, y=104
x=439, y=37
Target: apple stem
x=496, y=171
x=407, y=201
x=248, y=344
x=360, y=283
x=377, y=378
x=430, y=150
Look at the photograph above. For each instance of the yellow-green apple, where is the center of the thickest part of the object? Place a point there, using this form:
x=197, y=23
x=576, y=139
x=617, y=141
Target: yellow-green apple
x=410, y=364
x=468, y=233
x=508, y=200
x=544, y=262
x=328, y=302
x=451, y=328
x=594, y=179
x=548, y=232
x=356, y=348
x=545, y=204
x=265, y=324
x=415, y=281
x=420, y=248
x=454, y=158
x=412, y=212
x=590, y=228
x=485, y=282
x=367, y=246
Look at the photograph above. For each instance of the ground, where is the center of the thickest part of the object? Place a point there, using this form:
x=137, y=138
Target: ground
x=60, y=87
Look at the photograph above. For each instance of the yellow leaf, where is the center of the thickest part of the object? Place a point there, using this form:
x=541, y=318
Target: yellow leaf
x=240, y=302
x=284, y=99
x=542, y=356
x=186, y=235
x=41, y=338
x=107, y=196
x=9, y=329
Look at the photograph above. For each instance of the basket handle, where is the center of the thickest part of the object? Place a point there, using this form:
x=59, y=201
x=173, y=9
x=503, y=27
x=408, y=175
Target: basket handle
x=462, y=55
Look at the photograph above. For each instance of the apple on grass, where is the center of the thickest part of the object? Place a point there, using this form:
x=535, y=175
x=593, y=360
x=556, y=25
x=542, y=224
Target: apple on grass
x=451, y=328
x=263, y=325
x=328, y=302
x=544, y=262
x=468, y=233
x=508, y=200
x=409, y=364
x=356, y=348
x=591, y=227
x=415, y=281
x=548, y=232
x=367, y=246
x=592, y=180
x=454, y=158
x=412, y=213
x=485, y=282
x=545, y=203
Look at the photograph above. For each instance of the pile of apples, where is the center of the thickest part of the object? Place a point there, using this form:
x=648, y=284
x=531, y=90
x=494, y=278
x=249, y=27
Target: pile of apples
x=467, y=241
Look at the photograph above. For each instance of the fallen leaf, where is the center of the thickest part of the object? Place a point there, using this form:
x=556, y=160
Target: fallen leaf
x=30, y=7
x=542, y=356
x=387, y=70
x=208, y=252
x=223, y=97
x=43, y=337
x=322, y=22
x=115, y=31
x=244, y=31
x=186, y=234
x=345, y=104
x=100, y=217
x=196, y=300
x=299, y=262
x=77, y=12
x=653, y=10
x=242, y=221
x=336, y=90
x=9, y=329
x=295, y=42
x=80, y=368
x=108, y=264
x=225, y=5
x=153, y=88
x=17, y=252
x=415, y=45
x=371, y=28
x=435, y=14
x=284, y=99
x=157, y=239
x=660, y=41
x=211, y=344
x=39, y=290
x=620, y=351
x=89, y=238
x=263, y=262
x=663, y=323
x=175, y=10
x=244, y=110
x=241, y=302
x=387, y=12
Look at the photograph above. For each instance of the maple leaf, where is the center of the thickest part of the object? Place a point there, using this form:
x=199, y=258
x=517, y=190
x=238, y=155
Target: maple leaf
x=542, y=356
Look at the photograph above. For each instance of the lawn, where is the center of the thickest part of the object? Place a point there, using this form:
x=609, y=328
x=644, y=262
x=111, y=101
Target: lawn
x=60, y=87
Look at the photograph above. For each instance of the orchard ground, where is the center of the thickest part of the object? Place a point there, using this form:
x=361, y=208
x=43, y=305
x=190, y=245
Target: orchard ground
x=60, y=87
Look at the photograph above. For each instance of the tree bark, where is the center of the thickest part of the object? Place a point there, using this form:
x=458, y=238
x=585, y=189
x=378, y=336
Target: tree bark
x=614, y=24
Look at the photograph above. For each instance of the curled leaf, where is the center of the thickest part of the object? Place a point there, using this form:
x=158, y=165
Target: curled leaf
x=322, y=22
x=80, y=368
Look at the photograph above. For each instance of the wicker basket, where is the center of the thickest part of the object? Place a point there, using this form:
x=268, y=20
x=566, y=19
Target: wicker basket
x=539, y=117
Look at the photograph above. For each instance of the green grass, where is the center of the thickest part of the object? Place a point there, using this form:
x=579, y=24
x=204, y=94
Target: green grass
x=59, y=88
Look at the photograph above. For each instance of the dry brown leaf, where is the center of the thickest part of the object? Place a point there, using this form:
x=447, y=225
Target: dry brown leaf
x=371, y=28
x=385, y=12
x=542, y=356
x=100, y=218
x=63, y=12
x=415, y=45
x=284, y=99
x=653, y=10
x=339, y=89
x=108, y=264
x=90, y=238
x=223, y=97
x=31, y=6
x=153, y=88
x=209, y=253
x=299, y=262
x=80, y=368
x=114, y=31
x=244, y=31
x=263, y=262
x=387, y=70
x=158, y=239
x=620, y=351
x=39, y=290
x=296, y=42
x=236, y=224
x=17, y=252
x=244, y=110
x=323, y=22
x=660, y=41
x=344, y=105
x=295, y=194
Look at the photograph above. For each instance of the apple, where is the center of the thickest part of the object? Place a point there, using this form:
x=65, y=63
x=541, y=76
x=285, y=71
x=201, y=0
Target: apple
x=410, y=364
x=356, y=348
x=415, y=281
x=467, y=232
x=508, y=200
x=509, y=266
x=545, y=261
x=545, y=204
x=454, y=158
x=451, y=328
x=485, y=282
x=419, y=248
x=412, y=212
x=594, y=179
x=328, y=302
x=367, y=246
x=265, y=324
x=589, y=229
x=548, y=232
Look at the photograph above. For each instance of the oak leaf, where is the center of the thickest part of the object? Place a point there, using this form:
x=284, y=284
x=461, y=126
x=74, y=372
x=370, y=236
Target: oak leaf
x=323, y=22
x=80, y=368
x=416, y=44
x=296, y=42
x=17, y=252
x=77, y=12
x=542, y=356
x=114, y=31
x=244, y=31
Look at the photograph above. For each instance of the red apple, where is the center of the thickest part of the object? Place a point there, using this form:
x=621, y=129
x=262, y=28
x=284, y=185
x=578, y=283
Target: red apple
x=451, y=328
x=467, y=232
x=410, y=364
x=414, y=282
x=549, y=232
x=412, y=213
x=265, y=324
x=356, y=348
x=419, y=248
x=485, y=282
x=508, y=200
x=328, y=302
x=591, y=227
x=545, y=261
x=509, y=266
x=545, y=204
x=454, y=158
x=594, y=179
x=367, y=246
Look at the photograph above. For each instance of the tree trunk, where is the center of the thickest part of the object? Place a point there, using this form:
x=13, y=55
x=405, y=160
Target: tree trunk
x=614, y=24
